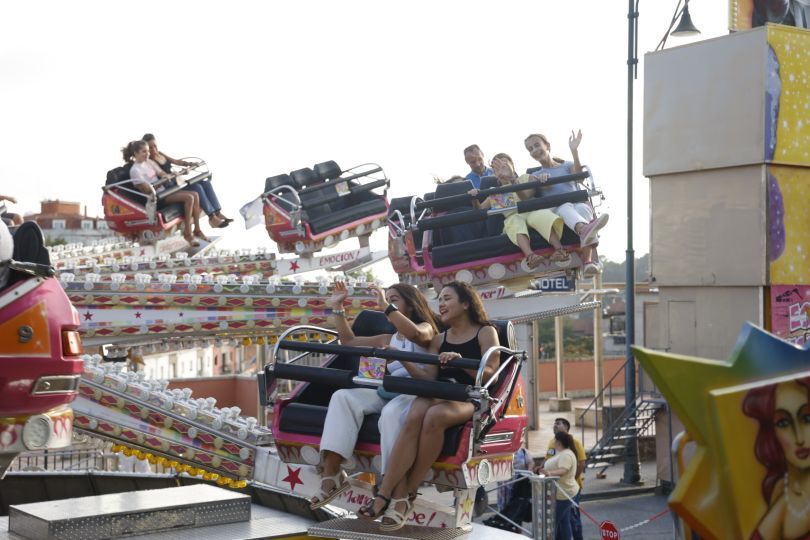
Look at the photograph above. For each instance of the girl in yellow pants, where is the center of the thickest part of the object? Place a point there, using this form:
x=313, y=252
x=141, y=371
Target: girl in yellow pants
x=516, y=226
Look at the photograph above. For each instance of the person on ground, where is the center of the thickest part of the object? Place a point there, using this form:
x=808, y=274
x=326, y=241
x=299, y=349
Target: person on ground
x=564, y=465
x=516, y=225
x=209, y=203
x=469, y=334
x=478, y=169
x=146, y=175
x=416, y=327
x=579, y=217
x=564, y=426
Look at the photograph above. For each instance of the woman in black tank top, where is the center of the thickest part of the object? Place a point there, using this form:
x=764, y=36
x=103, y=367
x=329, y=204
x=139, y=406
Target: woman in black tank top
x=469, y=334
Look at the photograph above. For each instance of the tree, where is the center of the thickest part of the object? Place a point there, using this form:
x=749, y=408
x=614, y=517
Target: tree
x=613, y=272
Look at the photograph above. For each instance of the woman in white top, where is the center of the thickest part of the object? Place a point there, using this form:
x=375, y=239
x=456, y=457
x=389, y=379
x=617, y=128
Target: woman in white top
x=564, y=465
x=416, y=325
x=145, y=173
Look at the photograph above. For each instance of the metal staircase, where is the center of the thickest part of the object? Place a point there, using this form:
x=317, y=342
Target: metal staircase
x=615, y=422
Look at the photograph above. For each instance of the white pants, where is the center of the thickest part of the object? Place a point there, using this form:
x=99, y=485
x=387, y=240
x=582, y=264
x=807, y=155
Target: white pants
x=573, y=213
x=391, y=421
x=345, y=414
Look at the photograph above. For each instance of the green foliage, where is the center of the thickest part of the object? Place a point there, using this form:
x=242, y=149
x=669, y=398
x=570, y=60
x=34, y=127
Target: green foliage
x=614, y=272
x=575, y=344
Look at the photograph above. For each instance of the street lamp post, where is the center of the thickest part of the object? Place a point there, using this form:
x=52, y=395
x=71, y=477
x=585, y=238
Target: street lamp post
x=631, y=464
x=684, y=28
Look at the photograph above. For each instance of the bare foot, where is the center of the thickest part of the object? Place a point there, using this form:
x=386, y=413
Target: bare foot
x=533, y=260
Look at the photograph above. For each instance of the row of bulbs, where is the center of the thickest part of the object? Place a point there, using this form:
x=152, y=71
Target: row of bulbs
x=180, y=467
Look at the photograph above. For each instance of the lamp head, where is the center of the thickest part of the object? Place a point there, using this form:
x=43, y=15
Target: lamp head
x=685, y=26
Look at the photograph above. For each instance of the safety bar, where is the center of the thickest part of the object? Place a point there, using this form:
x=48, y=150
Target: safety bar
x=453, y=201
x=374, y=352
x=275, y=192
x=341, y=179
x=504, y=364
x=299, y=328
x=352, y=191
x=32, y=269
x=427, y=388
x=471, y=216
x=485, y=358
x=341, y=378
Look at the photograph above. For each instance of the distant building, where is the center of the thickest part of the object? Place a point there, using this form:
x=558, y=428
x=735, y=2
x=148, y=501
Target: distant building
x=64, y=221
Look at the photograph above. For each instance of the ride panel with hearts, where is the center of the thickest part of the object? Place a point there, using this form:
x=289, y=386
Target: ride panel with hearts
x=442, y=237
x=310, y=209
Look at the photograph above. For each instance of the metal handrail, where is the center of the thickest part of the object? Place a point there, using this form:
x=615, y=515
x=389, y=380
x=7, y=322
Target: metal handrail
x=277, y=189
x=298, y=329
x=479, y=376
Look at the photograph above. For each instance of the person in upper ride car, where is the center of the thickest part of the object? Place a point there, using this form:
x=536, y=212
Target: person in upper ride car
x=145, y=173
x=9, y=218
x=475, y=159
x=209, y=203
x=515, y=225
x=579, y=217
x=416, y=326
x=469, y=334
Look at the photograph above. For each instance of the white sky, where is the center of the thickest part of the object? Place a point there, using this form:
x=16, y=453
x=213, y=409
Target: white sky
x=261, y=88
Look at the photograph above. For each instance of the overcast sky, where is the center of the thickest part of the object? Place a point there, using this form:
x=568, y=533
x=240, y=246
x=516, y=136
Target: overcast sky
x=261, y=88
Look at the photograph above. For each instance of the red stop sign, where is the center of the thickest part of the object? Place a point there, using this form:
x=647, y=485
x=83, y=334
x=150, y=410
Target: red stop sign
x=608, y=531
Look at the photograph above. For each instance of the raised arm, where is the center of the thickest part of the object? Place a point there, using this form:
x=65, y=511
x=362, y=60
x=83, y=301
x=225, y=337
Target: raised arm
x=345, y=332
x=421, y=334
x=573, y=144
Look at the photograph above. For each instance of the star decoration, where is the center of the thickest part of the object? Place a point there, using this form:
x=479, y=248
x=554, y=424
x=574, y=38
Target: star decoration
x=294, y=266
x=293, y=477
x=88, y=316
x=137, y=314
x=706, y=395
x=180, y=314
x=467, y=507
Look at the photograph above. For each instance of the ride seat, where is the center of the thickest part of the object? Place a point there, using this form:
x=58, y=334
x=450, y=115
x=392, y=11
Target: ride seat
x=340, y=210
x=307, y=414
x=455, y=234
x=492, y=241
x=29, y=246
x=274, y=182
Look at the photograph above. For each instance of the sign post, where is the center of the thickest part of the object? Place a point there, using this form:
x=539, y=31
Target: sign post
x=608, y=531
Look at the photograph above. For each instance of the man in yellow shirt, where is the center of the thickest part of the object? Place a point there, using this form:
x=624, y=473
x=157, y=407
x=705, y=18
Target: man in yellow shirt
x=561, y=424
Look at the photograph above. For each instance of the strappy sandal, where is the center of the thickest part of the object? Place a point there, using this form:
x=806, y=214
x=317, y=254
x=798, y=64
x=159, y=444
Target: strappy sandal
x=341, y=482
x=398, y=518
x=201, y=235
x=533, y=261
x=367, y=510
x=560, y=257
x=191, y=241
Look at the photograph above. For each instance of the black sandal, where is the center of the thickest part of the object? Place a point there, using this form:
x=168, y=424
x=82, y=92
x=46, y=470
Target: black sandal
x=367, y=510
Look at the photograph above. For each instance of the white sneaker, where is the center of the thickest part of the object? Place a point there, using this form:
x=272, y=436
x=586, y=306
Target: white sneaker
x=591, y=269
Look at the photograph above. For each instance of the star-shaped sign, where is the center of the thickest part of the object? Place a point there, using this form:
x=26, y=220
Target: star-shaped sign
x=293, y=477
x=708, y=395
x=467, y=507
x=88, y=316
x=294, y=266
x=137, y=314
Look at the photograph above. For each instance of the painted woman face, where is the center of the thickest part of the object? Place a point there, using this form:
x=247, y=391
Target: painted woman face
x=791, y=420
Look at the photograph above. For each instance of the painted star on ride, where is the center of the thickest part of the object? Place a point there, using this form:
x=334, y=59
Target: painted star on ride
x=718, y=494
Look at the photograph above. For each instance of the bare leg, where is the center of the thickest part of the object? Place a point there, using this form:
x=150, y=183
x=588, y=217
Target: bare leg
x=330, y=462
x=532, y=259
x=441, y=416
x=404, y=452
x=185, y=198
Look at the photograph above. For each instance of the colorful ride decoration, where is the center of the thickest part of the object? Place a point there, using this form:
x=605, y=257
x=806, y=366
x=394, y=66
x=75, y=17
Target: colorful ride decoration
x=130, y=213
x=39, y=350
x=310, y=209
x=172, y=312
x=474, y=453
x=441, y=237
x=748, y=417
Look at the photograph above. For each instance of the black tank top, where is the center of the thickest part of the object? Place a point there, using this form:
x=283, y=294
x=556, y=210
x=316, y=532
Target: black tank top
x=166, y=166
x=468, y=349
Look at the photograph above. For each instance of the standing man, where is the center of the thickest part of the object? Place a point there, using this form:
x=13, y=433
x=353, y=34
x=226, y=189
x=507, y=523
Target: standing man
x=475, y=159
x=561, y=424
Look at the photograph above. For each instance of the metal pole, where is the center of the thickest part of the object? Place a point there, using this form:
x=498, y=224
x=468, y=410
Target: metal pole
x=558, y=353
x=535, y=371
x=598, y=345
x=631, y=465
